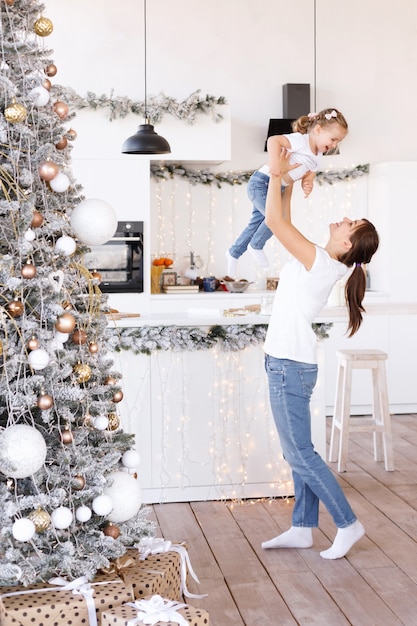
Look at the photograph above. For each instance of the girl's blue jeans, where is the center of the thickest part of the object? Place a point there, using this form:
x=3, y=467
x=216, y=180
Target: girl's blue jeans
x=291, y=385
x=256, y=232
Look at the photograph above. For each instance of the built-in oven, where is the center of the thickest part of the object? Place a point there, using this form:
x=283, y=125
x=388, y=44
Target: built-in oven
x=120, y=261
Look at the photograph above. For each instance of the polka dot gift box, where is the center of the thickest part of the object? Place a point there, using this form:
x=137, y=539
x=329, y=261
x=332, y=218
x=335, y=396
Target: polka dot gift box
x=157, y=611
x=62, y=602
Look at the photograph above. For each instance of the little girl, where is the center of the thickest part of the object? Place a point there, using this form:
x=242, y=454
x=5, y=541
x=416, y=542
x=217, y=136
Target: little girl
x=313, y=135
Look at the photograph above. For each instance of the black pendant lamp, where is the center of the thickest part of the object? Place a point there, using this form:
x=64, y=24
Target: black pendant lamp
x=145, y=140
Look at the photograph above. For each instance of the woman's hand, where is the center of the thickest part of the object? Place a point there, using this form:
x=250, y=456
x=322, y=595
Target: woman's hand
x=282, y=165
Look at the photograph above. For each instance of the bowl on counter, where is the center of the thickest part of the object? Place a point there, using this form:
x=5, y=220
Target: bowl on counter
x=235, y=286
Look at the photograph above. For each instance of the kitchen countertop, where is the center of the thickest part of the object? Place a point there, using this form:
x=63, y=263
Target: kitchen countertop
x=208, y=309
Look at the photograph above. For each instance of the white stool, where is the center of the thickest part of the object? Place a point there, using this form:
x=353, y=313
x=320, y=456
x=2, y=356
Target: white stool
x=380, y=421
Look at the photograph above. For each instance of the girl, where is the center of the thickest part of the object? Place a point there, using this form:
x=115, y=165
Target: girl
x=313, y=135
x=290, y=346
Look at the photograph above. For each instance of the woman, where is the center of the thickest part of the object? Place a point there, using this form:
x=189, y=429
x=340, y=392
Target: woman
x=290, y=346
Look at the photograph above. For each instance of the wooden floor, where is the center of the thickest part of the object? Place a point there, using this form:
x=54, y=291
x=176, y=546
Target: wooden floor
x=375, y=584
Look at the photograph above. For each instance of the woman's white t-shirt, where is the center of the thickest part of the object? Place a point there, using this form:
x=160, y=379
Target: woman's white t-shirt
x=300, y=296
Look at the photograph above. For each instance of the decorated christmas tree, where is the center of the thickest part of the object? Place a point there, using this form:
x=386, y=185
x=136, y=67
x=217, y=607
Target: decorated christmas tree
x=69, y=483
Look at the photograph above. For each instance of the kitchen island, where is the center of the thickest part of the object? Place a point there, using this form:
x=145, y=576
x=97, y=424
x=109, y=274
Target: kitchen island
x=196, y=397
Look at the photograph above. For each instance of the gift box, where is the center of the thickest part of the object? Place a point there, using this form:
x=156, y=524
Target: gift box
x=62, y=602
x=157, y=574
x=157, y=611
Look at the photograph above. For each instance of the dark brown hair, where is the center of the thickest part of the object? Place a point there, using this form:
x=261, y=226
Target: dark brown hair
x=365, y=241
x=326, y=117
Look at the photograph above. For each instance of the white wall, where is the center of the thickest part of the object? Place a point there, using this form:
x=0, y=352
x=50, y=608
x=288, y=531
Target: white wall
x=244, y=51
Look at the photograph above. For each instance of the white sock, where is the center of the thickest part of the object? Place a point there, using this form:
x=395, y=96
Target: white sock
x=259, y=256
x=344, y=540
x=295, y=537
x=231, y=264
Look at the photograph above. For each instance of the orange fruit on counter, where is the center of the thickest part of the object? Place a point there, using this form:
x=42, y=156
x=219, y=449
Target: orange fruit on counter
x=168, y=262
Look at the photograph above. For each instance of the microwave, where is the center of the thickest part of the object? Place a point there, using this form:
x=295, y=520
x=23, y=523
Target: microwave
x=119, y=261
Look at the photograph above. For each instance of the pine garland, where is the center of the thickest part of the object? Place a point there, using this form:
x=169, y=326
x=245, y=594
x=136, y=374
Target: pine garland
x=207, y=177
x=230, y=338
x=157, y=106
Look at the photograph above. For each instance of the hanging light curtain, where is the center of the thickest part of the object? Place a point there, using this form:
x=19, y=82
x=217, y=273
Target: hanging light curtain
x=146, y=140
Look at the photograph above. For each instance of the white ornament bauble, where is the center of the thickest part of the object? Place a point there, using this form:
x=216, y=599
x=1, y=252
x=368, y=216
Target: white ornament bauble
x=55, y=344
x=125, y=492
x=83, y=513
x=38, y=359
x=60, y=183
x=30, y=235
x=62, y=517
x=23, y=448
x=66, y=245
x=131, y=459
x=102, y=505
x=61, y=337
x=101, y=422
x=94, y=222
x=40, y=96
x=23, y=529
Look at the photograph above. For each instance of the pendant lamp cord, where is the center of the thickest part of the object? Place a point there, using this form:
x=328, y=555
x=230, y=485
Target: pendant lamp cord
x=314, y=55
x=145, y=57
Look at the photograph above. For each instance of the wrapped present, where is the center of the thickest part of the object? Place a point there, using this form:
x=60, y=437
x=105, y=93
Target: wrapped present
x=157, y=611
x=158, y=574
x=152, y=549
x=62, y=602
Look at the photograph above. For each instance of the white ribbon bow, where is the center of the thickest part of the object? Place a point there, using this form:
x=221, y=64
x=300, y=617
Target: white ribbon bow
x=329, y=116
x=157, y=610
x=79, y=586
x=158, y=545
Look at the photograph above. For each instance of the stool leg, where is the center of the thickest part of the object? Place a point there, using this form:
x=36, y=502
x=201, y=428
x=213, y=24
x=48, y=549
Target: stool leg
x=386, y=419
x=345, y=416
x=377, y=412
x=337, y=412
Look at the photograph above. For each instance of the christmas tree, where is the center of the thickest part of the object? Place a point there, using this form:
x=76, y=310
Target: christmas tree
x=69, y=489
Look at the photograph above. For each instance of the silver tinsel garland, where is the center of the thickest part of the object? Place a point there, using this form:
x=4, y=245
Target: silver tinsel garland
x=157, y=106
x=207, y=177
x=148, y=339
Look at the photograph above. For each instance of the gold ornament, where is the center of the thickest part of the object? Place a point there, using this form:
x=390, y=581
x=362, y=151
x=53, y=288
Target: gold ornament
x=65, y=323
x=28, y=270
x=41, y=519
x=37, y=219
x=48, y=170
x=88, y=421
x=71, y=134
x=9, y=3
x=83, y=372
x=43, y=27
x=66, y=436
x=111, y=530
x=61, y=109
x=79, y=337
x=15, y=113
x=15, y=308
x=33, y=344
x=67, y=306
x=50, y=70
x=96, y=275
x=61, y=144
x=46, y=84
x=110, y=380
x=117, y=396
x=93, y=347
x=114, y=421
x=78, y=482
x=44, y=401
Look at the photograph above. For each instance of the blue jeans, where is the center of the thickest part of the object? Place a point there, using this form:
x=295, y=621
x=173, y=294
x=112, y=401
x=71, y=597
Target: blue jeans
x=256, y=232
x=291, y=385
